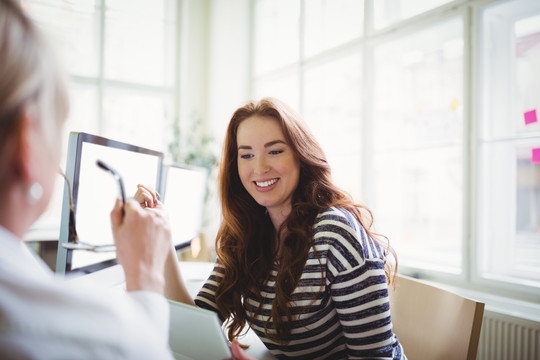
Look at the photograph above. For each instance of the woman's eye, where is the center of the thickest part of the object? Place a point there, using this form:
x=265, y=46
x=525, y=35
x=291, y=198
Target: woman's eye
x=245, y=156
x=275, y=152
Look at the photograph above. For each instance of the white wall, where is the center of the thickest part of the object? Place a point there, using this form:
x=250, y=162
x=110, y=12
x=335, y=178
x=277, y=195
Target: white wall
x=229, y=61
x=215, y=73
x=215, y=62
x=229, y=74
x=194, y=49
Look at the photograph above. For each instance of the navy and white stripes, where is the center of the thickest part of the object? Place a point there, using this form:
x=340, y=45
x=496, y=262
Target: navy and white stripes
x=340, y=307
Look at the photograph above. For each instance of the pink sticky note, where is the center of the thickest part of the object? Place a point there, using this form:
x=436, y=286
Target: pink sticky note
x=535, y=158
x=530, y=117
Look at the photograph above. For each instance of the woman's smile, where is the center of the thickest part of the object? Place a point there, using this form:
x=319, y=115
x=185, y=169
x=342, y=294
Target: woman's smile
x=267, y=184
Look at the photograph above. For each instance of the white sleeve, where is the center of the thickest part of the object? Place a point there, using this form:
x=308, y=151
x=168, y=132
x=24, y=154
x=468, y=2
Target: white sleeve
x=157, y=308
x=55, y=321
x=43, y=318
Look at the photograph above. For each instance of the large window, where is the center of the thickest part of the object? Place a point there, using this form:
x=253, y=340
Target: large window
x=120, y=55
x=509, y=143
x=427, y=111
x=121, y=58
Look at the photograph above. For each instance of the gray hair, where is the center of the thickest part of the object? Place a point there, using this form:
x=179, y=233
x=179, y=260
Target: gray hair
x=30, y=76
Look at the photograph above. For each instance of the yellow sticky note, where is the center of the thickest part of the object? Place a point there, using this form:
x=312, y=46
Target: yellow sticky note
x=454, y=104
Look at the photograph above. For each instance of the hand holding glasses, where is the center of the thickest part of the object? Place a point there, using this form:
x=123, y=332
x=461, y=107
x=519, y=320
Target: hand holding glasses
x=73, y=239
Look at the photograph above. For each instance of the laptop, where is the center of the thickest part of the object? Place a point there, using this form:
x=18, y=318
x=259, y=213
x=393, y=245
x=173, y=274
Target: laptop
x=196, y=333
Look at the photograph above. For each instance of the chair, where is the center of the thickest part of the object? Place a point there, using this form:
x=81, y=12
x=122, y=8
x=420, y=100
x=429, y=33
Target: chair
x=432, y=323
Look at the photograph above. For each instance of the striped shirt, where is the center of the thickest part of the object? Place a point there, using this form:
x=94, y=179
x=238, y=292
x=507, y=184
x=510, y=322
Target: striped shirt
x=345, y=317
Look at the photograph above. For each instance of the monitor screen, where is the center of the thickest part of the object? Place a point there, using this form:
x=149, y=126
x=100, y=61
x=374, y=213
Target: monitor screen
x=95, y=191
x=183, y=195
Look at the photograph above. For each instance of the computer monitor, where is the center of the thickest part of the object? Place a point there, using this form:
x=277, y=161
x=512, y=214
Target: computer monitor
x=94, y=192
x=183, y=195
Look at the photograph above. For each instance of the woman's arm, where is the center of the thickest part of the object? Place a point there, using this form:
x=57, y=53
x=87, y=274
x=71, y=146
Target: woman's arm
x=175, y=288
x=359, y=291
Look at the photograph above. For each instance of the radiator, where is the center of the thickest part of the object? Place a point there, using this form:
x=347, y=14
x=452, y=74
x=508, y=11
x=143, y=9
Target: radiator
x=506, y=337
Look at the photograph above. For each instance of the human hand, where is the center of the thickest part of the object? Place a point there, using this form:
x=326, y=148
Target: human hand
x=143, y=242
x=238, y=353
x=146, y=196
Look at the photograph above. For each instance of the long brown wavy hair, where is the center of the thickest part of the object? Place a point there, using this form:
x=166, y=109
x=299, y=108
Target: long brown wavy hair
x=246, y=241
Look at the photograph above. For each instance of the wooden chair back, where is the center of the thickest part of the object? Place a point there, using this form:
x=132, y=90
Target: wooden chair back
x=432, y=323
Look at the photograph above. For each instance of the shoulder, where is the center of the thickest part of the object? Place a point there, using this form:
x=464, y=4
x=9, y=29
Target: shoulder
x=343, y=236
x=336, y=224
x=337, y=218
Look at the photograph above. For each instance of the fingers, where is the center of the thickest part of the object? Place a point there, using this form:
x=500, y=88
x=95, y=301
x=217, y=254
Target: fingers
x=116, y=214
x=146, y=196
x=143, y=242
x=235, y=349
x=238, y=353
x=153, y=216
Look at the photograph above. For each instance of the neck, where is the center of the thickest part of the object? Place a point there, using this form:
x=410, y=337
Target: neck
x=16, y=214
x=278, y=216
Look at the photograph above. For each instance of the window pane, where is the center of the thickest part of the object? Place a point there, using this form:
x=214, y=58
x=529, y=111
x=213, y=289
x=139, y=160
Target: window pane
x=333, y=111
x=74, y=30
x=276, y=34
x=527, y=33
x=139, y=42
x=417, y=123
x=282, y=86
x=329, y=23
x=386, y=13
x=509, y=139
x=418, y=206
x=83, y=109
x=138, y=117
x=419, y=88
x=517, y=30
x=509, y=211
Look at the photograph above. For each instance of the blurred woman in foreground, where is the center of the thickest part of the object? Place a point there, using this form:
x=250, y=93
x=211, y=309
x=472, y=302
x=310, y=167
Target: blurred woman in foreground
x=41, y=317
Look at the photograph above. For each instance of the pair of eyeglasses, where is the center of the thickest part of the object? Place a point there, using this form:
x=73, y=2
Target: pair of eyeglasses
x=73, y=239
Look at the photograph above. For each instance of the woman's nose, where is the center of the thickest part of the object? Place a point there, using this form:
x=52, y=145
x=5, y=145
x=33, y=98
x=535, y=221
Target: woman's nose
x=261, y=166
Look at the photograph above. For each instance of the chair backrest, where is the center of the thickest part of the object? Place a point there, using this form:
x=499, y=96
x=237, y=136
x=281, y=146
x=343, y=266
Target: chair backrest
x=433, y=323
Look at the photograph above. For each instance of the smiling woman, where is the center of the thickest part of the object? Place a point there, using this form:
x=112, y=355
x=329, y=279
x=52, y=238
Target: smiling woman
x=42, y=317
x=297, y=260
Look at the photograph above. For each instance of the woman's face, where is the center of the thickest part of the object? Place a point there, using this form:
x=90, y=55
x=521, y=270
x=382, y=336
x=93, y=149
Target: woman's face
x=267, y=165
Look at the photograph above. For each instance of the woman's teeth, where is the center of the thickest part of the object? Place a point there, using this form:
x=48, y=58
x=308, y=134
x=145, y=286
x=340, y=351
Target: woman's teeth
x=266, y=183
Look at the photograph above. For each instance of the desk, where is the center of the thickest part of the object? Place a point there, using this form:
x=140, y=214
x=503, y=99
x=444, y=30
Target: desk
x=195, y=274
